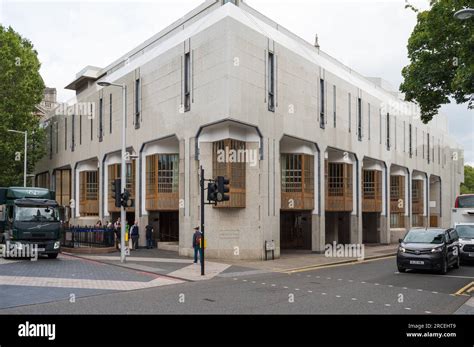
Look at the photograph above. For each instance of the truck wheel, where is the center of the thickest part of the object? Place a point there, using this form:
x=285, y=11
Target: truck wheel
x=53, y=256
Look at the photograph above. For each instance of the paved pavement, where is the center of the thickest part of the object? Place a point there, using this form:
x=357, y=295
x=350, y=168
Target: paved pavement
x=371, y=287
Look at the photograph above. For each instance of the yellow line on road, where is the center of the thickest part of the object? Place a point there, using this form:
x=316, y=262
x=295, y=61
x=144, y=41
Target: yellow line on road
x=466, y=289
x=317, y=267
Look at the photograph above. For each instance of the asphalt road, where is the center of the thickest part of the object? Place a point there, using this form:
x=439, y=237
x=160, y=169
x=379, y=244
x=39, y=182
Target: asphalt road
x=372, y=287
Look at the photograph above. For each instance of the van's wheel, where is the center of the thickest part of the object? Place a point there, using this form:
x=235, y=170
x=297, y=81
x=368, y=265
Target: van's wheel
x=444, y=267
x=457, y=263
x=53, y=256
x=401, y=269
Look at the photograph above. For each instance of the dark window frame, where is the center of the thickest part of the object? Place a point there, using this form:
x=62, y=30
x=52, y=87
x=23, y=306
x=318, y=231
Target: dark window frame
x=137, y=102
x=187, y=82
x=359, y=119
x=322, y=106
x=101, y=119
x=271, y=82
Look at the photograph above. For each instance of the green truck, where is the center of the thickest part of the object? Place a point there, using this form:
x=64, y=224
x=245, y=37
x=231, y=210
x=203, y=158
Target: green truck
x=29, y=218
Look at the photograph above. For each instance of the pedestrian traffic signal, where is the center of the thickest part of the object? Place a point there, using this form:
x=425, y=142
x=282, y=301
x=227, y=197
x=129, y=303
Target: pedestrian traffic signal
x=212, y=192
x=116, y=188
x=222, y=189
x=126, y=201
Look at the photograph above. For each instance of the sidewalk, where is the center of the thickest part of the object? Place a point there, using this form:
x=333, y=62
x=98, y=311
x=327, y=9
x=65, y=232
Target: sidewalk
x=169, y=263
x=292, y=261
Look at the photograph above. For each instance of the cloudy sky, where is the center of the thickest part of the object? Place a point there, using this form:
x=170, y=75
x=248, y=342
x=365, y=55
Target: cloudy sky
x=370, y=36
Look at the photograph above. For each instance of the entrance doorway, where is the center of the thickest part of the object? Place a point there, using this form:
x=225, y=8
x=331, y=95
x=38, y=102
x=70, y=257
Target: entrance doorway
x=338, y=227
x=166, y=225
x=295, y=230
x=370, y=227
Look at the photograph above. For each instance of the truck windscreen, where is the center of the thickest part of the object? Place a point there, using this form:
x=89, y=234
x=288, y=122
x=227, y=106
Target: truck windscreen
x=36, y=214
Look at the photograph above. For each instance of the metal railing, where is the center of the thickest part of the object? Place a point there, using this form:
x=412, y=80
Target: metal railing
x=91, y=237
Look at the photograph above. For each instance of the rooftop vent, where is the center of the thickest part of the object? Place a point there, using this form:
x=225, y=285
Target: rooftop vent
x=316, y=41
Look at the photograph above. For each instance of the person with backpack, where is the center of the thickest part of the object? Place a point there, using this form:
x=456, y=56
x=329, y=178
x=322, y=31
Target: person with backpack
x=197, y=244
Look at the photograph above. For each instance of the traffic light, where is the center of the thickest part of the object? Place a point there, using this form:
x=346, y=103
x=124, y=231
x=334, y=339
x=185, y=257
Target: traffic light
x=212, y=191
x=222, y=189
x=116, y=187
x=125, y=199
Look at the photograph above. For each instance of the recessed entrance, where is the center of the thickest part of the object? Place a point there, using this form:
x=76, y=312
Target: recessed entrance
x=295, y=230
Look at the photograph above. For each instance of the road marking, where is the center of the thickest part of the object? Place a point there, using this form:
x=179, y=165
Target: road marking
x=323, y=293
x=310, y=291
x=388, y=305
x=435, y=292
x=338, y=296
x=420, y=290
x=390, y=286
x=433, y=275
x=297, y=289
x=376, y=284
x=85, y=283
x=407, y=308
x=273, y=285
x=354, y=299
x=363, y=282
x=245, y=280
x=328, y=278
x=351, y=280
x=405, y=288
x=427, y=312
x=370, y=302
x=263, y=283
x=254, y=282
x=285, y=287
x=339, y=279
x=466, y=289
x=317, y=267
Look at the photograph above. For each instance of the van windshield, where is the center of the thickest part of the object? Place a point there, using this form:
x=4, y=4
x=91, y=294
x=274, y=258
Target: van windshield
x=465, y=231
x=424, y=236
x=36, y=214
x=466, y=201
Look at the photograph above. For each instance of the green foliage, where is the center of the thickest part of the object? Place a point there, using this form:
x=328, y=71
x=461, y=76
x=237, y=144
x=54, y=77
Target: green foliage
x=468, y=186
x=21, y=88
x=440, y=50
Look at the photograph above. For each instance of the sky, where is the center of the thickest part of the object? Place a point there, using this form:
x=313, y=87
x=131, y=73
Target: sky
x=369, y=36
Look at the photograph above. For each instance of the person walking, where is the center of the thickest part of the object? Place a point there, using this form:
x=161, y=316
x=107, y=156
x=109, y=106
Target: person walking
x=117, y=231
x=197, y=240
x=149, y=236
x=134, y=234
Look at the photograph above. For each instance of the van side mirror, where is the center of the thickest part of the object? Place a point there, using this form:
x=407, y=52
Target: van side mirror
x=400, y=240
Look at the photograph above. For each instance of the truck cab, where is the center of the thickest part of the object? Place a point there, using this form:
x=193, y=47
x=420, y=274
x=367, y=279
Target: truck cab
x=29, y=217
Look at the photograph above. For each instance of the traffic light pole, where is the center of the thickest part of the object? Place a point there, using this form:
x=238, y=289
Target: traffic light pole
x=202, y=221
x=123, y=214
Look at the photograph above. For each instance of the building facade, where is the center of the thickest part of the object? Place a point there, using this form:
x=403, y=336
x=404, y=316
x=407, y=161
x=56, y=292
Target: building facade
x=314, y=151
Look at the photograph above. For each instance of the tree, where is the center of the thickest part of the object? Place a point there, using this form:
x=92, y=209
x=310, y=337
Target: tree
x=468, y=186
x=441, y=59
x=21, y=88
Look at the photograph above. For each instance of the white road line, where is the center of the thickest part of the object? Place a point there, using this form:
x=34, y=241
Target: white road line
x=351, y=280
x=420, y=290
x=254, y=282
x=370, y=302
x=354, y=299
x=84, y=283
x=310, y=291
x=405, y=288
x=245, y=280
x=435, y=292
x=323, y=293
x=273, y=285
x=376, y=284
x=285, y=287
x=338, y=296
x=407, y=308
x=388, y=305
x=263, y=283
x=339, y=279
x=328, y=278
x=363, y=282
x=390, y=286
x=428, y=312
x=297, y=289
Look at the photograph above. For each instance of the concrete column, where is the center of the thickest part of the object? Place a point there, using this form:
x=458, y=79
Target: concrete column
x=356, y=216
x=318, y=220
x=385, y=215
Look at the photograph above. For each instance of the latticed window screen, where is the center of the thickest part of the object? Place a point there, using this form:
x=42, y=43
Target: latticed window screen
x=162, y=182
x=297, y=173
x=417, y=190
x=229, y=160
x=168, y=171
x=63, y=186
x=369, y=184
x=42, y=180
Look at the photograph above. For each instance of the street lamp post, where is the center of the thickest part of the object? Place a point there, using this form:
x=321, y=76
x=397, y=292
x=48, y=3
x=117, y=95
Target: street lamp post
x=25, y=155
x=464, y=14
x=123, y=214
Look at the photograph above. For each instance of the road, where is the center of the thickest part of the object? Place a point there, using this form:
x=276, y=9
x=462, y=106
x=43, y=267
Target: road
x=371, y=287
